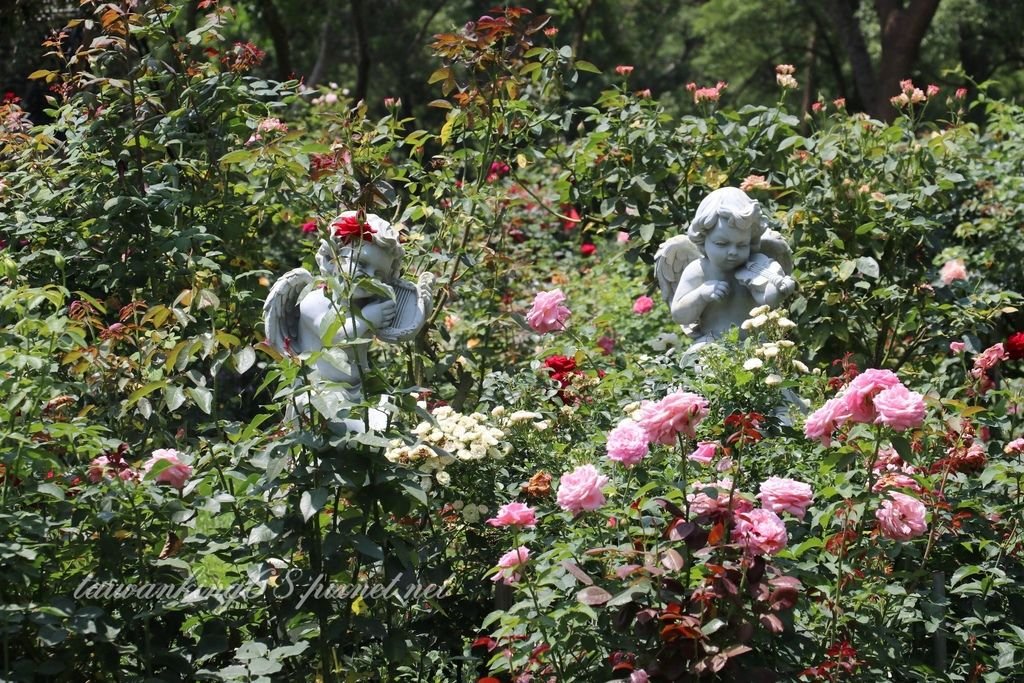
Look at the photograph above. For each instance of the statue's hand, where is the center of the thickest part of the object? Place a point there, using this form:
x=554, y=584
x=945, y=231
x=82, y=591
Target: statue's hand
x=380, y=313
x=787, y=286
x=714, y=290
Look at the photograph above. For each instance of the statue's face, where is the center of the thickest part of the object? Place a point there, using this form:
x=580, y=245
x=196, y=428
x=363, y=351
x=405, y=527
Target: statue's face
x=370, y=261
x=727, y=247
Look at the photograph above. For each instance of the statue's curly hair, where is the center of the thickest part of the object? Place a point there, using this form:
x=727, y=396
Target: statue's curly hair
x=384, y=236
x=736, y=208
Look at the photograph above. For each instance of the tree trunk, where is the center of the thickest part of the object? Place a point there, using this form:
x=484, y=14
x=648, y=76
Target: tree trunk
x=363, y=44
x=279, y=36
x=323, y=55
x=903, y=27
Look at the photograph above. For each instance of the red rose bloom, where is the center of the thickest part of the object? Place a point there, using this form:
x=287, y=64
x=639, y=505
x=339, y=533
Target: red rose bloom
x=308, y=227
x=588, y=249
x=349, y=228
x=1015, y=346
x=559, y=365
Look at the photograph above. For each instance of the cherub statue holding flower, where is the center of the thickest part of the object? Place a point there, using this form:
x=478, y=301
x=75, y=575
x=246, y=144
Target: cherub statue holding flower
x=359, y=295
x=726, y=264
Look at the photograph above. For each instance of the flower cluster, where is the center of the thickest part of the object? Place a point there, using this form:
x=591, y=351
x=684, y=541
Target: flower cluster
x=873, y=397
x=784, y=76
x=708, y=94
x=452, y=436
x=910, y=94
x=984, y=363
x=169, y=465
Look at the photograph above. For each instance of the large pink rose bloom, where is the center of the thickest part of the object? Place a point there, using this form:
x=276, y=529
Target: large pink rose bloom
x=509, y=563
x=580, y=489
x=547, y=313
x=761, y=532
x=952, y=271
x=643, y=304
x=786, y=495
x=514, y=514
x=627, y=443
x=988, y=359
x=678, y=413
x=899, y=408
x=901, y=517
x=176, y=474
x=860, y=393
x=823, y=422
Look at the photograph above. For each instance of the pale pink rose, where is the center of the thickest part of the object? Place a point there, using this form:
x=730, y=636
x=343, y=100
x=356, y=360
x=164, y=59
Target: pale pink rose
x=128, y=474
x=960, y=93
x=271, y=125
x=899, y=408
x=678, y=413
x=786, y=495
x=704, y=453
x=761, y=532
x=509, y=563
x=99, y=469
x=754, y=182
x=627, y=443
x=825, y=420
x=624, y=69
x=897, y=480
x=1015, y=447
x=957, y=347
x=622, y=237
x=514, y=514
x=176, y=474
x=952, y=271
x=639, y=676
x=548, y=314
x=580, y=489
x=701, y=504
x=643, y=304
x=988, y=359
x=932, y=90
x=860, y=393
x=901, y=517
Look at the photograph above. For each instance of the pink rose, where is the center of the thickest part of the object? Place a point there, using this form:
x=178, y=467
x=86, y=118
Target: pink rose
x=988, y=359
x=897, y=480
x=581, y=489
x=956, y=347
x=509, y=563
x=899, y=408
x=639, y=676
x=624, y=69
x=514, y=514
x=823, y=422
x=678, y=413
x=786, y=495
x=761, y=532
x=621, y=237
x=952, y=271
x=704, y=453
x=859, y=393
x=643, y=304
x=1015, y=447
x=548, y=314
x=901, y=517
x=176, y=474
x=99, y=469
x=725, y=500
x=627, y=443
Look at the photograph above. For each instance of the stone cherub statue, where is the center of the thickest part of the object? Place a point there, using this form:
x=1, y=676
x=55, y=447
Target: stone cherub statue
x=726, y=264
x=358, y=296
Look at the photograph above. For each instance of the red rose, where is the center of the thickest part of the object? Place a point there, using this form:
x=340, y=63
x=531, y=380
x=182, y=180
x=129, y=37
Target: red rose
x=560, y=364
x=308, y=227
x=588, y=249
x=1015, y=346
x=349, y=228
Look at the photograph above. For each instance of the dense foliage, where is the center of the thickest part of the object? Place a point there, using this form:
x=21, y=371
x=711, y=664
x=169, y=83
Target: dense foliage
x=170, y=512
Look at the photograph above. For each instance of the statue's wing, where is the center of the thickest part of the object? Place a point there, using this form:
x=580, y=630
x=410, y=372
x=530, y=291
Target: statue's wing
x=281, y=310
x=773, y=246
x=671, y=259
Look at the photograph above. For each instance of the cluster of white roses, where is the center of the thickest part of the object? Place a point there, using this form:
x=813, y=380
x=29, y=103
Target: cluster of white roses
x=772, y=351
x=452, y=436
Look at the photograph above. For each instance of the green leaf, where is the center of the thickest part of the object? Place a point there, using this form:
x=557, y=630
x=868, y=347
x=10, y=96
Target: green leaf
x=51, y=490
x=173, y=397
x=312, y=502
x=203, y=398
x=868, y=266
x=584, y=65
x=244, y=359
x=846, y=269
x=366, y=547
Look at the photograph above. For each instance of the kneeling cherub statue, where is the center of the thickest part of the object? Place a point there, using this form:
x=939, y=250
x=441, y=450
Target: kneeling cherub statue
x=360, y=296
x=726, y=264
